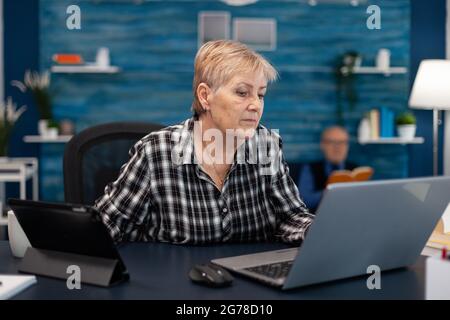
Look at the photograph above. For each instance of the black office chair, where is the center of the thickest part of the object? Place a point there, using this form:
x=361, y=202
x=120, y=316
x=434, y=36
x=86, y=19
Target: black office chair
x=93, y=158
x=294, y=170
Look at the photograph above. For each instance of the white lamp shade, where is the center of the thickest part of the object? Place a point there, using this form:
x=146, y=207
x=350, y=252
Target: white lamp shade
x=431, y=89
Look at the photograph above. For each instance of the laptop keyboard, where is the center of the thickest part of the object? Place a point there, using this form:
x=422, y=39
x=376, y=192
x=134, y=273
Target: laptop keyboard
x=273, y=270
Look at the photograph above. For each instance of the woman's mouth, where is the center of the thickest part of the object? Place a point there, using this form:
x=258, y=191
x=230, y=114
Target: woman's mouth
x=250, y=121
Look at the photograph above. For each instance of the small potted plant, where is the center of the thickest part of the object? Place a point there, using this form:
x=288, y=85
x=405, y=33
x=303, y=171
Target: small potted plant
x=39, y=85
x=406, y=125
x=9, y=114
x=52, y=129
x=345, y=82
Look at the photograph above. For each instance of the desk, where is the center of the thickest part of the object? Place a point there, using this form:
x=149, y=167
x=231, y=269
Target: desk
x=18, y=170
x=159, y=271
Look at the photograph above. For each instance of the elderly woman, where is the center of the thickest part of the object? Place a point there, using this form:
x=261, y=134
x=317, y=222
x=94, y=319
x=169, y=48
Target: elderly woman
x=182, y=186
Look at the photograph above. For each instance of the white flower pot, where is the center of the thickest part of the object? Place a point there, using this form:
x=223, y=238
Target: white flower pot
x=52, y=133
x=406, y=131
x=45, y=131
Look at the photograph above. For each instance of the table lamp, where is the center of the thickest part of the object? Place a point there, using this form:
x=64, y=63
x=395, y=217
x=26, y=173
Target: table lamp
x=431, y=91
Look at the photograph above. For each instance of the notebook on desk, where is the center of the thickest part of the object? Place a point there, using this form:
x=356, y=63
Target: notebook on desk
x=439, y=238
x=10, y=285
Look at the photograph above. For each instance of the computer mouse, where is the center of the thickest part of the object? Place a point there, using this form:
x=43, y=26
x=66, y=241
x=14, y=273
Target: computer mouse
x=210, y=275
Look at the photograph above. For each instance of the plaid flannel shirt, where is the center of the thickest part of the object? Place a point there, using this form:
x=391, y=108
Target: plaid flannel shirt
x=159, y=196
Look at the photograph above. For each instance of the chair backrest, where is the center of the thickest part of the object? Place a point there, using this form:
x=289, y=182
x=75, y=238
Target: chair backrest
x=93, y=158
x=294, y=170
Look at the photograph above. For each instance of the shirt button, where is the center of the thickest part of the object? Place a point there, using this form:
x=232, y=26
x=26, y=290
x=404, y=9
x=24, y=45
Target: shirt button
x=224, y=210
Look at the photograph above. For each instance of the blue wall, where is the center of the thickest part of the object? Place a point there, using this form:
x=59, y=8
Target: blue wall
x=21, y=52
x=155, y=43
x=427, y=42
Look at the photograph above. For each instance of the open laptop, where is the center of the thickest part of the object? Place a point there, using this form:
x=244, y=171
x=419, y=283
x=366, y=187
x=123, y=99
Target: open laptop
x=55, y=228
x=384, y=223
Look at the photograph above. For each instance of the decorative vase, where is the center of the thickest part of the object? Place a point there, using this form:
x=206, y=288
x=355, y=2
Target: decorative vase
x=43, y=127
x=383, y=59
x=364, y=130
x=102, y=58
x=406, y=131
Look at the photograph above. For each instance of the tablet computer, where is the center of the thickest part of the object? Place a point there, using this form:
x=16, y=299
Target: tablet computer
x=74, y=230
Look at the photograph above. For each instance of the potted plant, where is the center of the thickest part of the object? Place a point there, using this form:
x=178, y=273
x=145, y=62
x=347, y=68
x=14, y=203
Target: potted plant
x=406, y=125
x=52, y=129
x=345, y=78
x=9, y=114
x=39, y=85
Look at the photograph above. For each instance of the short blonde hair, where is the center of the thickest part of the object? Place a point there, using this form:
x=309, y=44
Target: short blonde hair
x=218, y=61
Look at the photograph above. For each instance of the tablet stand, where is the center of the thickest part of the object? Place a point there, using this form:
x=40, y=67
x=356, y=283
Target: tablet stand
x=94, y=270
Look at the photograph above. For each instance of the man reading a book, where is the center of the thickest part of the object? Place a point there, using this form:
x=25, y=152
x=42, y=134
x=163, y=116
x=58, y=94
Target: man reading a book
x=314, y=176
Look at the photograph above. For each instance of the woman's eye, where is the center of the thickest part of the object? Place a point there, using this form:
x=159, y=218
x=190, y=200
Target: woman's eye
x=241, y=93
x=261, y=96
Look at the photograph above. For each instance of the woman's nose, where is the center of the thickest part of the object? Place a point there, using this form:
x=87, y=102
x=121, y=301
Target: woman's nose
x=255, y=104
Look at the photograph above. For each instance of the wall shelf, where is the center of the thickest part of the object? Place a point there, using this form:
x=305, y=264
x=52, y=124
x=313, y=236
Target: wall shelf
x=90, y=68
x=394, y=140
x=357, y=70
x=41, y=139
x=305, y=68
x=375, y=70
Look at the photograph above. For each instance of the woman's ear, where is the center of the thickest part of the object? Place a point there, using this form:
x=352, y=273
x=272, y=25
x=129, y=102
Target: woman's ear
x=203, y=93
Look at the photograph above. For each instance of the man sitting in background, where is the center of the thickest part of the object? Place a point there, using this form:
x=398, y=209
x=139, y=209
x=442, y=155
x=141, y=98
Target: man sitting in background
x=314, y=176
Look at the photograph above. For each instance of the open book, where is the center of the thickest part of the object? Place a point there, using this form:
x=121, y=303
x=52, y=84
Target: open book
x=357, y=174
x=439, y=238
x=441, y=235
